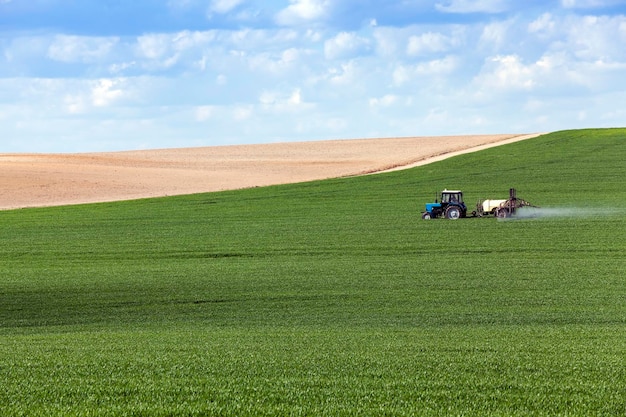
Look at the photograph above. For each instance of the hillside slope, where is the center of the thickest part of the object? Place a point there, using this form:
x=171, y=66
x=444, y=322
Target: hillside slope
x=328, y=297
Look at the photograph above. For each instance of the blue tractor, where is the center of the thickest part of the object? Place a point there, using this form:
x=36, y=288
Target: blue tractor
x=451, y=206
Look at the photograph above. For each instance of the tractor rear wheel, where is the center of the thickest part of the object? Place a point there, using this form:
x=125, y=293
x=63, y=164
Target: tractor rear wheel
x=502, y=213
x=453, y=213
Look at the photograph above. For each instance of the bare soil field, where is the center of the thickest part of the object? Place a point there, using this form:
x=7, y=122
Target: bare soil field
x=35, y=180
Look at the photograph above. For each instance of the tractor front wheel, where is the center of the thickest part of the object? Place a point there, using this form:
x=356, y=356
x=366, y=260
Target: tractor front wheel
x=453, y=213
x=426, y=215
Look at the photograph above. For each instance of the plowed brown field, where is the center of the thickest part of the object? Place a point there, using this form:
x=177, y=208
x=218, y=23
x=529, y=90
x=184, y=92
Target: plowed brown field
x=32, y=180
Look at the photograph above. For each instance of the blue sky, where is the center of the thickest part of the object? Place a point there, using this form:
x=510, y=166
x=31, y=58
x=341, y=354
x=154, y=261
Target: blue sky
x=100, y=75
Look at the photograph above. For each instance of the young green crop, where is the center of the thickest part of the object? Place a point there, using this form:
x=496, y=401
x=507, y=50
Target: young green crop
x=330, y=297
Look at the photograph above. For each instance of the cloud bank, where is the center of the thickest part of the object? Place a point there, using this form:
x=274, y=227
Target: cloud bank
x=93, y=76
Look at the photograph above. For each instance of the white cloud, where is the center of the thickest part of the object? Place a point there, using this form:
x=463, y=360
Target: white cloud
x=419, y=40
x=313, y=35
x=80, y=48
x=243, y=112
x=427, y=43
x=204, y=113
x=589, y=4
x=385, y=101
x=345, y=45
x=544, y=24
x=186, y=40
x=554, y=74
x=387, y=43
x=473, y=6
x=224, y=6
x=437, y=116
x=160, y=51
x=75, y=104
x=153, y=46
x=505, y=73
x=117, y=68
x=58, y=98
x=159, y=45
x=106, y=91
x=25, y=48
x=346, y=74
x=268, y=98
x=255, y=41
x=402, y=75
x=290, y=55
x=221, y=79
x=496, y=34
x=295, y=98
x=274, y=63
x=277, y=102
x=437, y=68
x=300, y=11
x=593, y=38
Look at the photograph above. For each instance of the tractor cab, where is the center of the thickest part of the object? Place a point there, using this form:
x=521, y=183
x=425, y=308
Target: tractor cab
x=451, y=206
x=451, y=197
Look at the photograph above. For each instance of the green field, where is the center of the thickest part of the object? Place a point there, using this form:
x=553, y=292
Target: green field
x=329, y=298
